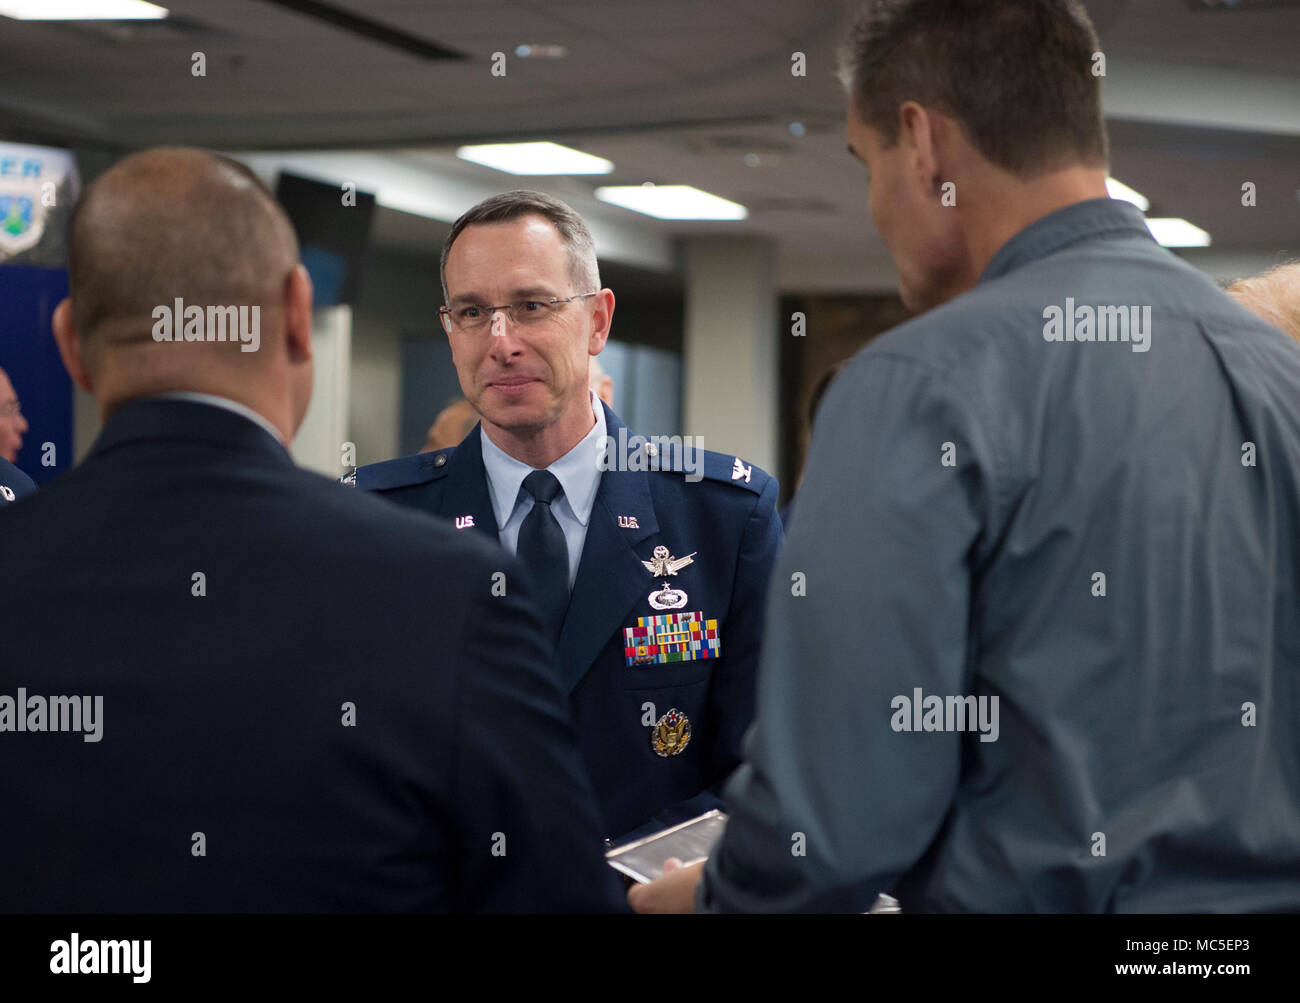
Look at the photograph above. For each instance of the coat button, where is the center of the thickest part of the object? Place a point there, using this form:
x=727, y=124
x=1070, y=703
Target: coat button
x=440, y=460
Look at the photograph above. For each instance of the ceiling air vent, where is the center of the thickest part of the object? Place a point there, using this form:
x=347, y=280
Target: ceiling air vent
x=1233, y=6
x=366, y=27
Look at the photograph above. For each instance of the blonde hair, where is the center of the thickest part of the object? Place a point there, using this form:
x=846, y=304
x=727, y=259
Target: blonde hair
x=1275, y=296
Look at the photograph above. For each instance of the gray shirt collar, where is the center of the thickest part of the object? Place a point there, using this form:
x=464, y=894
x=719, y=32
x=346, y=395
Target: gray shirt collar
x=1063, y=227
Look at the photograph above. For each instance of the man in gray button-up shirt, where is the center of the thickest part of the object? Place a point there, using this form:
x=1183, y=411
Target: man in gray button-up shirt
x=1034, y=640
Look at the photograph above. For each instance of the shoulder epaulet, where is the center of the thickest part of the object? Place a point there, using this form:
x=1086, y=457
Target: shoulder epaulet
x=674, y=457
x=401, y=472
x=734, y=470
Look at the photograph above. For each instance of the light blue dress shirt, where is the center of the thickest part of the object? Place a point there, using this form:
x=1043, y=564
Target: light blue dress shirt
x=578, y=472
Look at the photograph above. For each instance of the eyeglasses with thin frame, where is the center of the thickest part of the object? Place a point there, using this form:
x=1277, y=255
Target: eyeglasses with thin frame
x=472, y=318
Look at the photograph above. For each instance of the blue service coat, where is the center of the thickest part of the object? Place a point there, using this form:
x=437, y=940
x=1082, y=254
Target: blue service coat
x=13, y=483
x=627, y=731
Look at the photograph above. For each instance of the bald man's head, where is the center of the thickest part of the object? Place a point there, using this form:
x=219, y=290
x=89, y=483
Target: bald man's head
x=176, y=224
x=173, y=223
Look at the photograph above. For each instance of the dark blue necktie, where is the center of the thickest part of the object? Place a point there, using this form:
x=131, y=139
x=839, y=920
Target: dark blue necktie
x=543, y=551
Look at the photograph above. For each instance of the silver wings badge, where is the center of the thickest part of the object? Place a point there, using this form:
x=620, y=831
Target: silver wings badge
x=663, y=563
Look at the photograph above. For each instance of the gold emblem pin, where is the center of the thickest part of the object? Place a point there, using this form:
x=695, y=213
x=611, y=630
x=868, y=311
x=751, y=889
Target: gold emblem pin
x=671, y=734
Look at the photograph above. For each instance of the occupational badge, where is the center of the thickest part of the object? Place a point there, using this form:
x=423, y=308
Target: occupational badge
x=661, y=565
x=671, y=733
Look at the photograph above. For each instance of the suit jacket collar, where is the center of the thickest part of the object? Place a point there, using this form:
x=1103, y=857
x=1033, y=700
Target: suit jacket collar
x=626, y=492
x=186, y=421
x=611, y=578
x=466, y=494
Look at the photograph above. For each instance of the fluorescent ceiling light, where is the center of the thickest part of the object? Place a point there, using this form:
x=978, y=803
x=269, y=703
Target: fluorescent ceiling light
x=1172, y=232
x=671, y=202
x=535, y=158
x=81, y=10
x=1119, y=190
x=541, y=51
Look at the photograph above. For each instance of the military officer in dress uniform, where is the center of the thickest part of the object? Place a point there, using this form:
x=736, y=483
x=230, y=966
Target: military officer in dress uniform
x=651, y=558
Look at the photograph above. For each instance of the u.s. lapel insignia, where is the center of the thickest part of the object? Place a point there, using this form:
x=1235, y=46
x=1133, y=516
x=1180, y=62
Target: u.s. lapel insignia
x=464, y=522
x=628, y=522
x=671, y=637
x=671, y=734
x=661, y=565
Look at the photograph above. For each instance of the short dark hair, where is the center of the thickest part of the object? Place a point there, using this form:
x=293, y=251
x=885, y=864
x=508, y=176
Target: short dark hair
x=1017, y=74
x=510, y=206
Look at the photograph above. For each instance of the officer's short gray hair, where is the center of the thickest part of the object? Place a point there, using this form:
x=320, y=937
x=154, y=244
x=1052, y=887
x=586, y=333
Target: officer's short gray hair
x=510, y=206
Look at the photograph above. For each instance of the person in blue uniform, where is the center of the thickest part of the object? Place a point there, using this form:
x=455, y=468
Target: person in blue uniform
x=652, y=558
x=280, y=709
x=13, y=483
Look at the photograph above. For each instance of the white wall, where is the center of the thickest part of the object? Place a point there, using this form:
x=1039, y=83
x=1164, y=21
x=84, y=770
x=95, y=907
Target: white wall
x=730, y=375
x=399, y=294
x=319, y=443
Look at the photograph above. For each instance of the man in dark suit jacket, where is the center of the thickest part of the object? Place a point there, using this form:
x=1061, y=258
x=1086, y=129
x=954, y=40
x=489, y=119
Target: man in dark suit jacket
x=254, y=694
x=13, y=483
x=655, y=556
